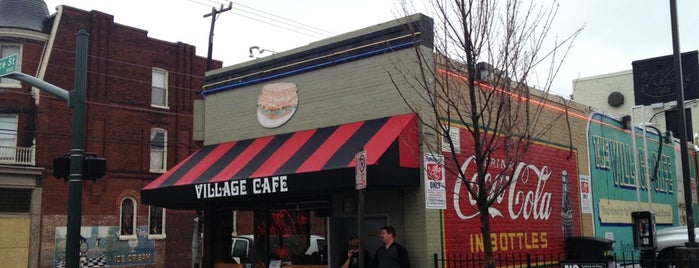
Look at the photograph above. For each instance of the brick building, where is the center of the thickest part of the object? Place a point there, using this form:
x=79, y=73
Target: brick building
x=139, y=105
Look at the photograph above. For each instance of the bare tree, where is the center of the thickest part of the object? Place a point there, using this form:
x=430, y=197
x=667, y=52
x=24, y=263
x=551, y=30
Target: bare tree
x=480, y=75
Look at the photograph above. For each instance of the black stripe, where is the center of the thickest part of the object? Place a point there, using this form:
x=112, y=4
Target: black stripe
x=222, y=162
x=308, y=148
x=262, y=156
x=185, y=167
x=354, y=144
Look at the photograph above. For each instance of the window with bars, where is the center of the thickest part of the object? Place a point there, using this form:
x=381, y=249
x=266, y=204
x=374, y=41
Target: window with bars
x=14, y=200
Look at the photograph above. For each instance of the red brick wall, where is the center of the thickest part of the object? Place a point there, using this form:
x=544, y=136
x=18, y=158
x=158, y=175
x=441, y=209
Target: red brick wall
x=118, y=123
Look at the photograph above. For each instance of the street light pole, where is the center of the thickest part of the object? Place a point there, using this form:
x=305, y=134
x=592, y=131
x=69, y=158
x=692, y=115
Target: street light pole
x=76, y=100
x=684, y=151
x=77, y=151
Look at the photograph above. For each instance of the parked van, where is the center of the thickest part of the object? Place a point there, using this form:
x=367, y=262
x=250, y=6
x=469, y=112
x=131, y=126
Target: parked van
x=668, y=240
x=242, y=247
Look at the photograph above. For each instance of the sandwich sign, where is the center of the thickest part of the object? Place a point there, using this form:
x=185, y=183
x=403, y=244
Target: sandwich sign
x=276, y=104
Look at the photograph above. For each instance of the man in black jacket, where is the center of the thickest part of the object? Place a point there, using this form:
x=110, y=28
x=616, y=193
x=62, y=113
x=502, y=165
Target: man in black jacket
x=351, y=259
x=390, y=254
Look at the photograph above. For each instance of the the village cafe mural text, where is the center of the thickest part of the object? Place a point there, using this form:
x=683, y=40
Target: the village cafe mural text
x=617, y=157
x=243, y=187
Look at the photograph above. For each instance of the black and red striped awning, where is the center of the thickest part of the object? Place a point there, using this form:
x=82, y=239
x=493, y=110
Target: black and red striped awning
x=301, y=162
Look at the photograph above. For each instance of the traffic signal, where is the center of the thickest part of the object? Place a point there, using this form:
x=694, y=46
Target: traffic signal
x=61, y=167
x=93, y=167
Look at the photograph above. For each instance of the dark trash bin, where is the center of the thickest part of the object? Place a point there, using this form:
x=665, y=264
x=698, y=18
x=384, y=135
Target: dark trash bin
x=587, y=248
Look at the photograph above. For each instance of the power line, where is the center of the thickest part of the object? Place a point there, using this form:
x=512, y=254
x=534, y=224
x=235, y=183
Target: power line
x=280, y=19
x=274, y=20
x=200, y=3
x=300, y=31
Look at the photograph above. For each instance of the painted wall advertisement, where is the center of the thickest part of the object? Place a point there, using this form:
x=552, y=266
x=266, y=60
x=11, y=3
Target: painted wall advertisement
x=537, y=210
x=615, y=166
x=100, y=247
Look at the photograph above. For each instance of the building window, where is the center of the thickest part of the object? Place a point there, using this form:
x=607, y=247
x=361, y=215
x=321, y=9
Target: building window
x=158, y=150
x=127, y=219
x=15, y=200
x=156, y=222
x=8, y=137
x=7, y=50
x=159, y=89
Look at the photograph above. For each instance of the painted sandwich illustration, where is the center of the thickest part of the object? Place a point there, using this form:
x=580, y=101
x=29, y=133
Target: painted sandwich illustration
x=276, y=104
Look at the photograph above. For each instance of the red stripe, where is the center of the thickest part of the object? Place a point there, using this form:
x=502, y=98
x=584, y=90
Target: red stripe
x=409, y=153
x=379, y=143
x=242, y=159
x=205, y=163
x=155, y=183
x=321, y=156
x=283, y=154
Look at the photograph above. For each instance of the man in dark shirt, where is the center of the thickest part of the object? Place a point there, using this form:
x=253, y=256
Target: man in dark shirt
x=351, y=259
x=390, y=254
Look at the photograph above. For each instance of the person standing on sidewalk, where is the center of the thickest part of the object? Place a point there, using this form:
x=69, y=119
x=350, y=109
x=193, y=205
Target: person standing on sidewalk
x=351, y=259
x=390, y=254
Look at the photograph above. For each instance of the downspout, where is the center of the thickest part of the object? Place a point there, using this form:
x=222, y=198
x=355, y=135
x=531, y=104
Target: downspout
x=44, y=61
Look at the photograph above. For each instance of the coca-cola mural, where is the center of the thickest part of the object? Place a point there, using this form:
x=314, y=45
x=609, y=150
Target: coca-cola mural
x=534, y=214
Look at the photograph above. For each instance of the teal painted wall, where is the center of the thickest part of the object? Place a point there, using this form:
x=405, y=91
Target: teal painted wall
x=614, y=191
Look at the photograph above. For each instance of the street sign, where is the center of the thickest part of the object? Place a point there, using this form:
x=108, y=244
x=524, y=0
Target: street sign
x=360, y=170
x=8, y=64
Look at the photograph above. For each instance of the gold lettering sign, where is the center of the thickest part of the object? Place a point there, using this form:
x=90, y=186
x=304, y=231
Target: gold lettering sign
x=615, y=211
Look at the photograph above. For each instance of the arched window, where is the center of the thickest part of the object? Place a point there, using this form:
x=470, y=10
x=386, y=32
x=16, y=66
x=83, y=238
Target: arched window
x=127, y=219
x=156, y=222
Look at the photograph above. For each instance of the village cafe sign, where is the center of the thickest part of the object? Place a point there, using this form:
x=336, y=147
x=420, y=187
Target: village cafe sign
x=242, y=187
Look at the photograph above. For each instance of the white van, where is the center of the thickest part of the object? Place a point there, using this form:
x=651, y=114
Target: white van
x=668, y=240
x=243, y=245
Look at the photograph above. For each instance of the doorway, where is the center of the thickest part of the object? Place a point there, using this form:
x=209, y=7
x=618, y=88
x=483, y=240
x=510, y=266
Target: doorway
x=341, y=229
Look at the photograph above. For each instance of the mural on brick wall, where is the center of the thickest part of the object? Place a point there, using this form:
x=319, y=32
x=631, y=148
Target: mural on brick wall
x=538, y=209
x=615, y=193
x=100, y=247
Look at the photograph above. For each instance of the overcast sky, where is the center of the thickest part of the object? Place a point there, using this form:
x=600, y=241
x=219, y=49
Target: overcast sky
x=616, y=32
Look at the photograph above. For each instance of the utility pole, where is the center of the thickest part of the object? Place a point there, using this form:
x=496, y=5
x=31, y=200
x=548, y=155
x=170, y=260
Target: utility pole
x=196, y=234
x=213, y=15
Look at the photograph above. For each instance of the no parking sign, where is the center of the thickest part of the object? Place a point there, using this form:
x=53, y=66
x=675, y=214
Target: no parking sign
x=360, y=170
